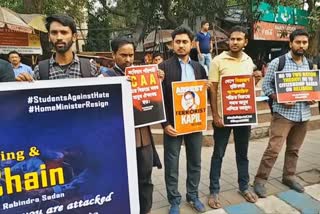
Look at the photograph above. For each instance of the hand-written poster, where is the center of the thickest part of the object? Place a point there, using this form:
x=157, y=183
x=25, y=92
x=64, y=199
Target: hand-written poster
x=238, y=100
x=67, y=146
x=293, y=86
x=190, y=106
x=147, y=95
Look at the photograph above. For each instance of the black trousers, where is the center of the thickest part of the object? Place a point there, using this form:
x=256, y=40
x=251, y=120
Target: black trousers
x=145, y=164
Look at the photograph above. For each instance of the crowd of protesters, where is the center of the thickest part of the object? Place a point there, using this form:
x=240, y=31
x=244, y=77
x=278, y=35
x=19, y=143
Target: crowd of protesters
x=288, y=124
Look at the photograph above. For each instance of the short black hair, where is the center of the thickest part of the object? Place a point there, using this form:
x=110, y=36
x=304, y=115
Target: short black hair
x=241, y=29
x=157, y=54
x=182, y=30
x=14, y=52
x=63, y=19
x=298, y=32
x=119, y=42
x=204, y=22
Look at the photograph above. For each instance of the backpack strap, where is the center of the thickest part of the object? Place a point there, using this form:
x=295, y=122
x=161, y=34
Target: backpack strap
x=85, y=67
x=310, y=64
x=44, y=69
x=282, y=62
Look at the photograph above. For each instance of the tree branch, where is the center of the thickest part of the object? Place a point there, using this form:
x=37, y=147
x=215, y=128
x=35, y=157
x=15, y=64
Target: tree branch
x=166, y=12
x=114, y=11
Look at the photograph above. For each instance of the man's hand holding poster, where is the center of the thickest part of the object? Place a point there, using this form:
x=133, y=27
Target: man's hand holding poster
x=297, y=86
x=147, y=95
x=190, y=106
x=238, y=100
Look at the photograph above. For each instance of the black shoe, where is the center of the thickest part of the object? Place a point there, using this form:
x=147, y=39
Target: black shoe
x=260, y=190
x=293, y=185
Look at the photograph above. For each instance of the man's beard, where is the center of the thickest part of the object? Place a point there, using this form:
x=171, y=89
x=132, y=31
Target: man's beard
x=298, y=53
x=63, y=49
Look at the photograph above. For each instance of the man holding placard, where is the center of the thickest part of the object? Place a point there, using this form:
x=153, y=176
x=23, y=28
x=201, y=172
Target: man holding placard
x=230, y=63
x=123, y=55
x=181, y=69
x=289, y=120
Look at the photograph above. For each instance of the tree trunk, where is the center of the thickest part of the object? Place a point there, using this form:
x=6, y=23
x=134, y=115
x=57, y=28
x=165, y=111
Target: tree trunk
x=33, y=6
x=166, y=7
x=138, y=31
x=314, y=43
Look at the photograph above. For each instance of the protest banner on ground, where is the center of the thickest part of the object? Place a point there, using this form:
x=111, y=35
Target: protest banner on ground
x=295, y=86
x=238, y=100
x=68, y=146
x=190, y=106
x=147, y=95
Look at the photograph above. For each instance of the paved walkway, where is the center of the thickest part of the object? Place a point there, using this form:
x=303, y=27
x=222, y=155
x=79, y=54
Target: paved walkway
x=280, y=200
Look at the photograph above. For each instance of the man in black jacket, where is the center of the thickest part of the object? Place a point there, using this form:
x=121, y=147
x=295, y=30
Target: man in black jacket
x=181, y=68
x=6, y=72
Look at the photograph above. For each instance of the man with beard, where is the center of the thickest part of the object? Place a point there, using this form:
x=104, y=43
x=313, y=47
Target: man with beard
x=64, y=63
x=232, y=62
x=289, y=120
x=147, y=156
x=181, y=68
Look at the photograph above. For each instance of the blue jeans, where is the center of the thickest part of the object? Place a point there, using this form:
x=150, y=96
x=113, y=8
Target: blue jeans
x=221, y=137
x=172, y=147
x=205, y=61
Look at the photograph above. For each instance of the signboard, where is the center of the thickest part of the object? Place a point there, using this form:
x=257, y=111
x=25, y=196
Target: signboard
x=23, y=43
x=190, y=106
x=238, y=100
x=297, y=86
x=147, y=95
x=68, y=146
x=272, y=31
x=282, y=14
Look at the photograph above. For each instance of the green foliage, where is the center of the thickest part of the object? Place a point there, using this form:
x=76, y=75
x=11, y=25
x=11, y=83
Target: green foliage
x=192, y=9
x=14, y=5
x=99, y=33
x=73, y=8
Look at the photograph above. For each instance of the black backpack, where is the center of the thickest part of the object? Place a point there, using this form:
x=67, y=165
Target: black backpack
x=85, y=68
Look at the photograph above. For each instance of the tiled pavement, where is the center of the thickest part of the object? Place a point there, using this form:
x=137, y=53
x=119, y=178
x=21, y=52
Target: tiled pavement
x=281, y=199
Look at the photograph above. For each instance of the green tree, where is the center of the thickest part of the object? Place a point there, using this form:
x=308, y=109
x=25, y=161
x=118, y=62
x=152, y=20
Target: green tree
x=98, y=32
x=251, y=16
x=142, y=16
